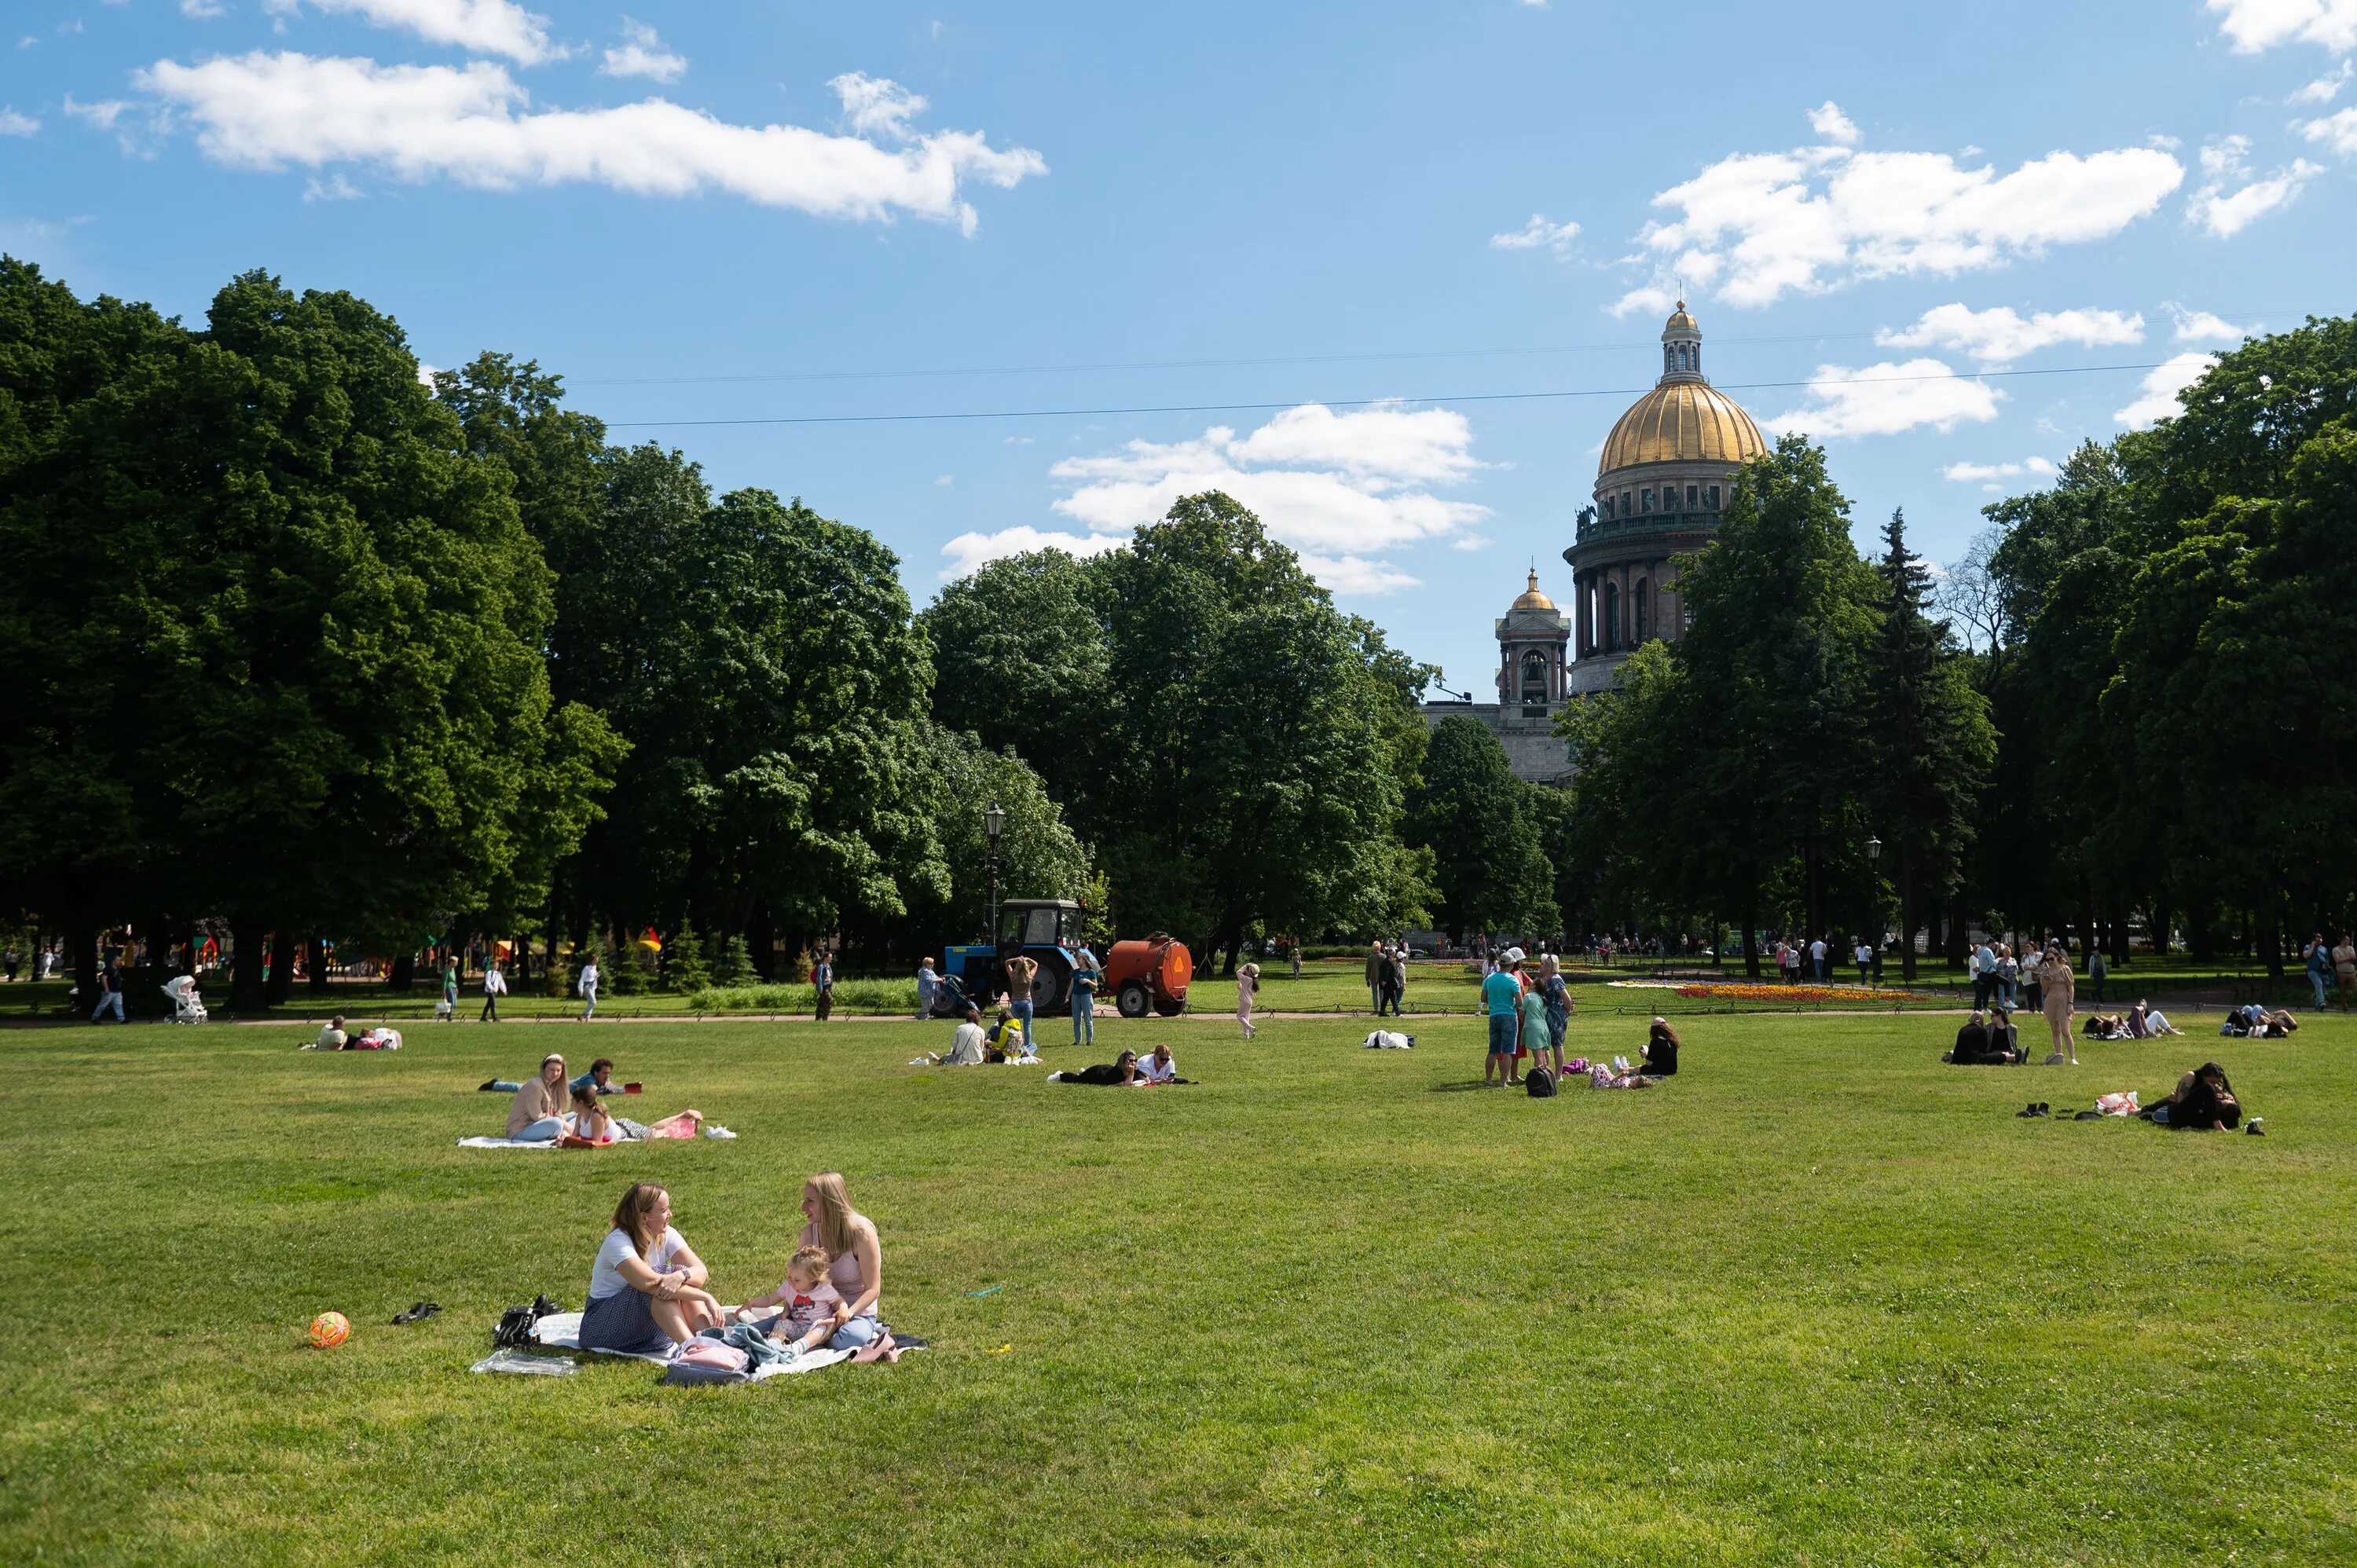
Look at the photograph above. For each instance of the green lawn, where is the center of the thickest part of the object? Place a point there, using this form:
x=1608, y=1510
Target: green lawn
x=1821, y=1300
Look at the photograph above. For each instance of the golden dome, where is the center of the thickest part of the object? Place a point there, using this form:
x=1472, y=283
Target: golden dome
x=1682, y=422
x=1680, y=322
x=1532, y=599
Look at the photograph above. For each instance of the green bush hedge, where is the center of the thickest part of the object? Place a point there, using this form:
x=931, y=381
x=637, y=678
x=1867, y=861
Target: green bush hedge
x=850, y=996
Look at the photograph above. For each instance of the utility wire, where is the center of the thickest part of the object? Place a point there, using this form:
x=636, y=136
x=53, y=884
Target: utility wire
x=1339, y=402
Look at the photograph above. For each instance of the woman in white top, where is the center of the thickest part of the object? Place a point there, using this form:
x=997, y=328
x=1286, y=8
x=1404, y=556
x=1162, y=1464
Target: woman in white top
x=1247, y=981
x=1156, y=1067
x=587, y=986
x=855, y=1257
x=646, y=1289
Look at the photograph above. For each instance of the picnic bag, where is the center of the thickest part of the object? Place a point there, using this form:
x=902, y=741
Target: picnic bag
x=1539, y=1083
x=706, y=1361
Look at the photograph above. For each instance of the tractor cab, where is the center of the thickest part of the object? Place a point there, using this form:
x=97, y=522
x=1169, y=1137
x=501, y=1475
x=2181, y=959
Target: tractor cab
x=1045, y=931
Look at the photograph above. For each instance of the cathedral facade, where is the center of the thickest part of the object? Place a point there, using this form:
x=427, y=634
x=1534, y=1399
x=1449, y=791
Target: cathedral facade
x=1666, y=471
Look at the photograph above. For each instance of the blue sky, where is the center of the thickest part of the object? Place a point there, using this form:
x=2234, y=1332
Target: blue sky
x=742, y=212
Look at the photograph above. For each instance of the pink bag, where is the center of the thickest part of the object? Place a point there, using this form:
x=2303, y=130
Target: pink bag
x=712, y=1353
x=680, y=1126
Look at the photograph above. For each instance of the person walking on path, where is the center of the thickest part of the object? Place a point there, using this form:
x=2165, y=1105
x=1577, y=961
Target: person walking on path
x=2099, y=970
x=1086, y=972
x=928, y=986
x=822, y=978
x=1817, y=961
x=587, y=986
x=1375, y=977
x=2319, y=959
x=1020, y=974
x=495, y=986
x=1395, y=989
x=110, y=990
x=1292, y=955
x=1247, y=981
x=1864, y=955
x=2054, y=984
x=449, y=1008
x=1501, y=999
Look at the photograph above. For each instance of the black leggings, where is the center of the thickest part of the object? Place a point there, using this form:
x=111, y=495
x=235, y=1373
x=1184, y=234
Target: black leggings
x=1102, y=1074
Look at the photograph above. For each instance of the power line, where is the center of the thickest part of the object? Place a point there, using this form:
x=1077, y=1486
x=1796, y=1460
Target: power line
x=1336, y=402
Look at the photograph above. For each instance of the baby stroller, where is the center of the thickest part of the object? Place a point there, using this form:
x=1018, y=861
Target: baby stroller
x=188, y=1007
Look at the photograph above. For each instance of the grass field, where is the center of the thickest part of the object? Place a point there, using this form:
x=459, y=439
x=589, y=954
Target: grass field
x=1822, y=1301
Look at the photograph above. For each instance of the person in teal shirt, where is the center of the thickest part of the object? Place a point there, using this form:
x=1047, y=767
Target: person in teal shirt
x=1501, y=997
x=1535, y=1033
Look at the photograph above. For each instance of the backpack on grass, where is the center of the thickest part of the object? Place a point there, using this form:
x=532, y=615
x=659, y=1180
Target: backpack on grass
x=1539, y=1083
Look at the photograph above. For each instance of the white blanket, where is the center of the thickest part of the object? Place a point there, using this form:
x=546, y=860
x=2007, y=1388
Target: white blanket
x=1390, y=1040
x=506, y=1144
x=562, y=1331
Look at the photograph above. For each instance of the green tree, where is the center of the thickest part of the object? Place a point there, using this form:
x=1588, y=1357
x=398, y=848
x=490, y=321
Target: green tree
x=1476, y=818
x=1019, y=660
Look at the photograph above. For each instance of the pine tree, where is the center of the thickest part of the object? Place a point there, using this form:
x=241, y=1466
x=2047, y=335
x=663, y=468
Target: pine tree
x=734, y=967
x=685, y=966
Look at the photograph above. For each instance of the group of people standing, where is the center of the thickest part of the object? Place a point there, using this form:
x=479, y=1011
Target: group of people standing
x=1528, y=1015
x=2331, y=968
x=1386, y=976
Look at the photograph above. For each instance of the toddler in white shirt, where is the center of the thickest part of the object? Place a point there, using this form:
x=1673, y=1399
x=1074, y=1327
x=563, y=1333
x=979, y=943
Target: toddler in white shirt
x=811, y=1308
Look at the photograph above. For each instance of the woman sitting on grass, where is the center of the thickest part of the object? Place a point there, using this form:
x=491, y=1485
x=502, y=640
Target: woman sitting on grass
x=1977, y=1046
x=646, y=1289
x=2202, y=1102
x=855, y=1257
x=1661, y=1051
x=536, y=1114
x=588, y=1122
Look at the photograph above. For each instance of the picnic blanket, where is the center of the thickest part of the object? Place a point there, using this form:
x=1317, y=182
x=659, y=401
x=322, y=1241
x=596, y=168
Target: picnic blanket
x=562, y=1331
x=506, y=1144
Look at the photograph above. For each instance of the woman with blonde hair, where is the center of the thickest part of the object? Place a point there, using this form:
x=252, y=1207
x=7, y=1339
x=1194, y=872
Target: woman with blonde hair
x=646, y=1290
x=1247, y=981
x=2054, y=982
x=855, y=1255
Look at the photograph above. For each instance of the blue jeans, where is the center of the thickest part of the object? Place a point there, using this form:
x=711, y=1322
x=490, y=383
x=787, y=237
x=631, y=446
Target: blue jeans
x=924, y=1002
x=2314, y=978
x=111, y=999
x=1822, y=975
x=2005, y=993
x=1504, y=1029
x=858, y=1332
x=1023, y=1010
x=589, y=1001
x=1084, y=1018
x=544, y=1131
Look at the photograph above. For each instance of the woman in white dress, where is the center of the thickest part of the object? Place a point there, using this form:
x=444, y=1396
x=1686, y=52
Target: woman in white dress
x=1247, y=981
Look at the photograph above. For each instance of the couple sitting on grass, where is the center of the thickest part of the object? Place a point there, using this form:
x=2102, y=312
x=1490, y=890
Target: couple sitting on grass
x=971, y=1045
x=649, y=1293
x=548, y=1110
x=334, y=1038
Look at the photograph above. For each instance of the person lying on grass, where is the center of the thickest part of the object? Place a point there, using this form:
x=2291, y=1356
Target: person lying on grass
x=1156, y=1067
x=2202, y=1102
x=646, y=1289
x=599, y=1080
x=1123, y=1069
x=813, y=1308
x=588, y=1122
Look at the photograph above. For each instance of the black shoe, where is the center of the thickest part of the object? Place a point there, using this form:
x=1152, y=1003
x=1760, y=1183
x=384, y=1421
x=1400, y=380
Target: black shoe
x=489, y=1084
x=418, y=1312
x=2029, y=1110
x=2044, y=1109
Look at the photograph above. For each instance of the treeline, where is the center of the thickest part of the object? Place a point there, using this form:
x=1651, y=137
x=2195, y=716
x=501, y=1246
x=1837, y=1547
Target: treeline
x=2148, y=725
x=303, y=645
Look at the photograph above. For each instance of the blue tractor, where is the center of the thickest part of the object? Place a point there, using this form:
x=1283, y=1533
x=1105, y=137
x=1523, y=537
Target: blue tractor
x=1045, y=931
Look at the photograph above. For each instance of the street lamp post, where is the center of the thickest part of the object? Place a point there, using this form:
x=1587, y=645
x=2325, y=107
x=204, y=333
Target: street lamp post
x=993, y=823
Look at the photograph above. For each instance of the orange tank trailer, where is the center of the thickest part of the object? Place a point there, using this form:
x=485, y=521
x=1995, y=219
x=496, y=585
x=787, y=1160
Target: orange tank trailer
x=1153, y=974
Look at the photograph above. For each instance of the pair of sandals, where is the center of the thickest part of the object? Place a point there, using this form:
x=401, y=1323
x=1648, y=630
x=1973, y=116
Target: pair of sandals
x=418, y=1312
x=2040, y=1108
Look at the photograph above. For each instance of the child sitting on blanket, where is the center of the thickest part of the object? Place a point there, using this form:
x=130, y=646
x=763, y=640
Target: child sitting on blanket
x=813, y=1308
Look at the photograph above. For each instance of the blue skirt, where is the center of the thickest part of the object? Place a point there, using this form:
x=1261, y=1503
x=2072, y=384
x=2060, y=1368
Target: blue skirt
x=622, y=1321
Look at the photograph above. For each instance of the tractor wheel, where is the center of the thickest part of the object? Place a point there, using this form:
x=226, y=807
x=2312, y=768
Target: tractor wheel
x=1132, y=1000
x=1167, y=1008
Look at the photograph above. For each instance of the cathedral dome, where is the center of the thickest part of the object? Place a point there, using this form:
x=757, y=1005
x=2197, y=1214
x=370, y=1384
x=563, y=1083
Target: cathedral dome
x=1684, y=419
x=1682, y=422
x=1531, y=599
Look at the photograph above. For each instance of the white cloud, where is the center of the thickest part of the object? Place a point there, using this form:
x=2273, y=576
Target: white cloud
x=1827, y=121
x=2225, y=213
x=2000, y=335
x=425, y=374
x=1966, y=473
x=15, y=124
x=2324, y=89
x=2161, y=385
x=467, y=123
x=2202, y=327
x=486, y=26
x=1339, y=488
x=102, y=115
x=877, y=105
x=335, y=188
x=2338, y=131
x=1761, y=225
x=1538, y=234
x=1470, y=542
x=943, y=481
x=642, y=53
x=968, y=551
x=1887, y=399
x=203, y=10
x=2258, y=24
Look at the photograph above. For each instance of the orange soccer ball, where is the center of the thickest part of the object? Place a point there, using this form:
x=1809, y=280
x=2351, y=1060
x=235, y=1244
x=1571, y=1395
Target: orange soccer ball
x=330, y=1329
